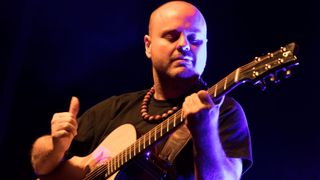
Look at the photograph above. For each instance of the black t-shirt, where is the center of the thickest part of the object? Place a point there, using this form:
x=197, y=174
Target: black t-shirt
x=100, y=120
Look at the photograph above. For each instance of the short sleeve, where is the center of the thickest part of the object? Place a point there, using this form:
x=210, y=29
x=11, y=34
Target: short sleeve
x=234, y=132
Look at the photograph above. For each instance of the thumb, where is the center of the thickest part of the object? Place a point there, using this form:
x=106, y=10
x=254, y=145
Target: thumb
x=74, y=106
x=204, y=97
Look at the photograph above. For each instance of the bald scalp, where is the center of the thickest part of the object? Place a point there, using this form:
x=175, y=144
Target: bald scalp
x=174, y=7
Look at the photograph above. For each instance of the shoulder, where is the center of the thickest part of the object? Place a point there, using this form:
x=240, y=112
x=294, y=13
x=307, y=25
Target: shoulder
x=230, y=104
x=118, y=100
x=231, y=111
x=101, y=114
x=109, y=107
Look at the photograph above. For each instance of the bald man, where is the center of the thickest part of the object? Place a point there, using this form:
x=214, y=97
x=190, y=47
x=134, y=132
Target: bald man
x=218, y=142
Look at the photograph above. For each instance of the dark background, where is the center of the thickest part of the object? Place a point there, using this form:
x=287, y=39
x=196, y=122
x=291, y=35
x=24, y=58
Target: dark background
x=52, y=50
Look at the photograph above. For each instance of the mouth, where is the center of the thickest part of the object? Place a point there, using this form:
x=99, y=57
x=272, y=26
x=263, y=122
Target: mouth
x=183, y=58
x=186, y=58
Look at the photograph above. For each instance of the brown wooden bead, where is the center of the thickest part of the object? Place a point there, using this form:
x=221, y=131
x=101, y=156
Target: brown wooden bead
x=151, y=118
x=164, y=115
x=170, y=111
x=157, y=117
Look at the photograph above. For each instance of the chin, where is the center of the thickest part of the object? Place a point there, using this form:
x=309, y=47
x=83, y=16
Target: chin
x=187, y=75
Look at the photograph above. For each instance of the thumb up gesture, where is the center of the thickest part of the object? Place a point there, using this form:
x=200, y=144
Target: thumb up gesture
x=64, y=126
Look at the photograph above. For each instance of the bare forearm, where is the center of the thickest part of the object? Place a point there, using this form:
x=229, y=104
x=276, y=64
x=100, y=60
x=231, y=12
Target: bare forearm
x=211, y=161
x=44, y=156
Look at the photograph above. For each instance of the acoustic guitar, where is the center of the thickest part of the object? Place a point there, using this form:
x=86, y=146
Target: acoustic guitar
x=123, y=148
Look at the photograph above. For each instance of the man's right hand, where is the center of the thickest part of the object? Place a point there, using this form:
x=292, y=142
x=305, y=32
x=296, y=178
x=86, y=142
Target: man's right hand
x=64, y=126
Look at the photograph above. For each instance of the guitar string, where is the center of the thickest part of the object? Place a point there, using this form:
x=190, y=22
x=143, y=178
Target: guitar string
x=156, y=130
x=102, y=169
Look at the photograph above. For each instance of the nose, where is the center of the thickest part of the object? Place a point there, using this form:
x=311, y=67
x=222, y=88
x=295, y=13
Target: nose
x=183, y=43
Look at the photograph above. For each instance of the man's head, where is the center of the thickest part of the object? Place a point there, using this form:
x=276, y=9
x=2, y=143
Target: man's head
x=177, y=41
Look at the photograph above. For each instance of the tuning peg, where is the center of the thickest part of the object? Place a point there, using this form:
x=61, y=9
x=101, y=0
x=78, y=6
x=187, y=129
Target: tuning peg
x=288, y=73
x=261, y=85
x=273, y=78
x=284, y=73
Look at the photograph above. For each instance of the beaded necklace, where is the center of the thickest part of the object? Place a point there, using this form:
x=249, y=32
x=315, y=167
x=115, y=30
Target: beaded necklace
x=144, y=109
x=146, y=100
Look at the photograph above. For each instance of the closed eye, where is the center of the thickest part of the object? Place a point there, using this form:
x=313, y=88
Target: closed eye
x=194, y=40
x=171, y=36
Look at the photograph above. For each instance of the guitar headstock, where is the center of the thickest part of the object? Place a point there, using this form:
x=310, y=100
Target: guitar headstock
x=271, y=67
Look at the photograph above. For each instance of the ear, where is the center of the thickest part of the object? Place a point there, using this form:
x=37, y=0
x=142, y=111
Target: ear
x=147, y=45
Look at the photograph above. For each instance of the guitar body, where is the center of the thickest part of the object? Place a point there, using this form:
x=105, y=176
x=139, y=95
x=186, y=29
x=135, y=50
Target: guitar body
x=114, y=143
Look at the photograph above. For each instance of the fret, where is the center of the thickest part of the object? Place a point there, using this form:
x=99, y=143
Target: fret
x=134, y=149
x=114, y=165
x=161, y=128
x=115, y=162
x=126, y=155
x=121, y=159
x=225, y=83
x=215, y=90
x=236, y=77
x=181, y=117
x=108, y=167
x=168, y=125
x=106, y=175
x=111, y=165
x=118, y=162
x=155, y=135
x=144, y=142
x=139, y=146
x=174, y=119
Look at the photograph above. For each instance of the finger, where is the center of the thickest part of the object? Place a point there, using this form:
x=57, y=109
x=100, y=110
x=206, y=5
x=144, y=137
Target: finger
x=61, y=133
x=64, y=117
x=204, y=97
x=195, y=99
x=188, y=104
x=70, y=128
x=74, y=106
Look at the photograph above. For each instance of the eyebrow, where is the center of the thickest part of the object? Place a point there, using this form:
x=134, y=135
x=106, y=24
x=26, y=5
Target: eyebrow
x=169, y=32
x=194, y=30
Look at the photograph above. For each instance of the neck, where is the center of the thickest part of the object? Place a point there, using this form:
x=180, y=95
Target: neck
x=173, y=88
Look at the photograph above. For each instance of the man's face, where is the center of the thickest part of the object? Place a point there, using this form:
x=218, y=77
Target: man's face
x=177, y=42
